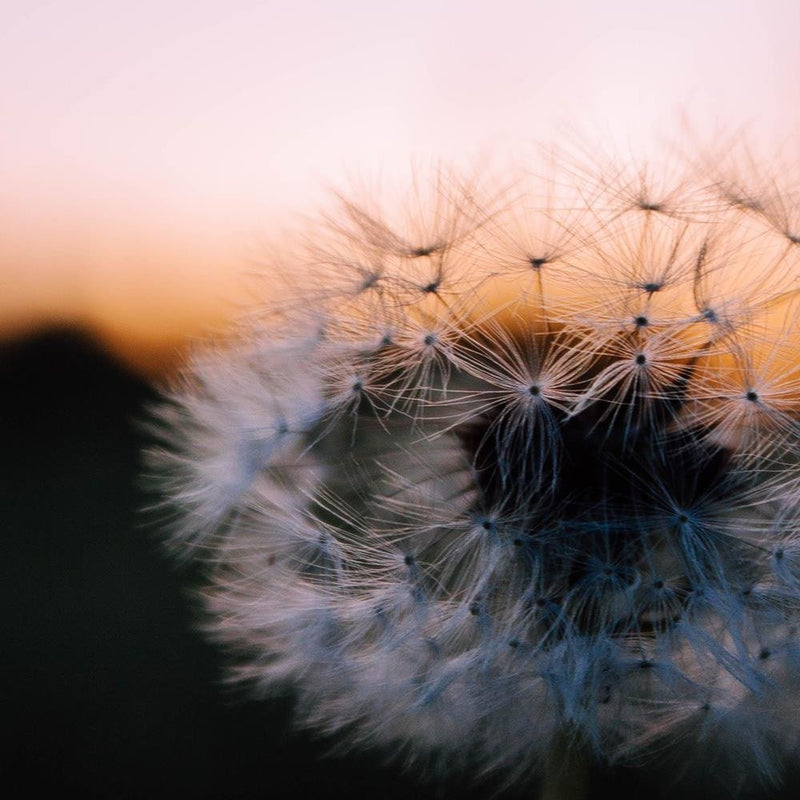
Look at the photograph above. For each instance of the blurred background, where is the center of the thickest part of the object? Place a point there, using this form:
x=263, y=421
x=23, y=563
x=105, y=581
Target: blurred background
x=149, y=152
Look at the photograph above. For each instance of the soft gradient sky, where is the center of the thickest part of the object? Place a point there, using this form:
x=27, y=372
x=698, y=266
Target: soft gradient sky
x=146, y=147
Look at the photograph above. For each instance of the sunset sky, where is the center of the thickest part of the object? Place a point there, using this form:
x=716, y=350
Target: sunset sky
x=147, y=150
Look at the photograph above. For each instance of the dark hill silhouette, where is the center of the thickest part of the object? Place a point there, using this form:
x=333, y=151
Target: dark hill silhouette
x=107, y=688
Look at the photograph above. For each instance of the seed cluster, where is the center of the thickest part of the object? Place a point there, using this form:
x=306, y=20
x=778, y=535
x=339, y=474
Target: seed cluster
x=507, y=468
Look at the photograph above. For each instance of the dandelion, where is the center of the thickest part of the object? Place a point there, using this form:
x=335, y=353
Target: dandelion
x=510, y=483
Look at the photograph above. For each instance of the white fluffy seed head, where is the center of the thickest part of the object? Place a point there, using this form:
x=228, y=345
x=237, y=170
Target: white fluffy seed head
x=503, y=471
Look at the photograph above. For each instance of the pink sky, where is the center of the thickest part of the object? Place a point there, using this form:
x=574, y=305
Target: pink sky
x=146, y=147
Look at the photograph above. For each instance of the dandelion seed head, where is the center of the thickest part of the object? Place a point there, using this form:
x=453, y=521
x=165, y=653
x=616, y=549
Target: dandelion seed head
x=508, y=471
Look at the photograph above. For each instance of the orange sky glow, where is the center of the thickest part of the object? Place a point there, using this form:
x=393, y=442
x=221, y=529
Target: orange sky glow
x=148, y=150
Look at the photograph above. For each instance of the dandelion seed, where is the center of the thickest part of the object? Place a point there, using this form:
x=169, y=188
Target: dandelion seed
x=513, y=483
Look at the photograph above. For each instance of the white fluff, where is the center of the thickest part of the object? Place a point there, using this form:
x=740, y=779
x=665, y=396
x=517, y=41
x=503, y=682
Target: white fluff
x=505, y=473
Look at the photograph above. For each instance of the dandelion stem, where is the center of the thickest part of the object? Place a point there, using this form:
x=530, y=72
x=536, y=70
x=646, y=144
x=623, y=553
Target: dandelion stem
x=566, y=770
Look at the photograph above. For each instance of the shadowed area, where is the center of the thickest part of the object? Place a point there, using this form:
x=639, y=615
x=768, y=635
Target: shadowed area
x=108, y=690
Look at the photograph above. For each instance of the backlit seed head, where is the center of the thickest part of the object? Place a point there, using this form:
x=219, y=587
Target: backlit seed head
x=506, y=469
